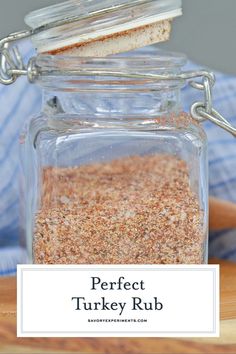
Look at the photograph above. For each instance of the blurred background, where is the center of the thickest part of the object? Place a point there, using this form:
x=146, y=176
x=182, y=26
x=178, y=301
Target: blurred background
x=206, y=32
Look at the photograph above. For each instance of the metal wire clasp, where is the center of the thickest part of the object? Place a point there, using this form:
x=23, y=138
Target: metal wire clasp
x=12, y=66
x=11, y=63
x=202, y=111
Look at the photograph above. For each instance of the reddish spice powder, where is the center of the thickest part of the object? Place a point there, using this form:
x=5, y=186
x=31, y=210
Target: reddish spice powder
x=134, y=210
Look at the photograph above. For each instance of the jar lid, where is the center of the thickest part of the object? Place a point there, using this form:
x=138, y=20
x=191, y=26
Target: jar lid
x=100, y=28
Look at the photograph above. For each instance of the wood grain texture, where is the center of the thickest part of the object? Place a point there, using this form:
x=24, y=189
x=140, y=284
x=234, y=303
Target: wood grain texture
x=222, y=214
x=225, y=344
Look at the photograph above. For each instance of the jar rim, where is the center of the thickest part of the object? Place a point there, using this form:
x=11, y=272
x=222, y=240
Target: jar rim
x=144, y=59
x=111, y=71
x=93, y=19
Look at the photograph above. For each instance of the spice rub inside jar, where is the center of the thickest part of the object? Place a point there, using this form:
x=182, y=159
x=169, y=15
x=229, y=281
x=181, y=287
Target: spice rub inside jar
x=133, y=210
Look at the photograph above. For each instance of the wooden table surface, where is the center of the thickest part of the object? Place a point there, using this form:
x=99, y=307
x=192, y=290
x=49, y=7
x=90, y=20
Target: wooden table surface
x=225, y=344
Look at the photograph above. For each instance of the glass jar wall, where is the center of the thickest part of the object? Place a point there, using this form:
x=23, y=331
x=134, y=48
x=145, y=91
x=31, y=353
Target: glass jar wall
x=115, y=172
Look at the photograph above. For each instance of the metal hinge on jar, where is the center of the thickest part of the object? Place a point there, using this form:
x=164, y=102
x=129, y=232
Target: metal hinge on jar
x=12, y=67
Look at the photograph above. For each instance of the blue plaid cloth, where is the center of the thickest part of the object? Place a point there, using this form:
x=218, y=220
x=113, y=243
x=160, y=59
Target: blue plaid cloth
x=21, y=100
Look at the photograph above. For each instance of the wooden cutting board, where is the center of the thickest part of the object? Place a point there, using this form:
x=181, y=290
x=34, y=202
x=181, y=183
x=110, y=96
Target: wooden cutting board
x=225, y=344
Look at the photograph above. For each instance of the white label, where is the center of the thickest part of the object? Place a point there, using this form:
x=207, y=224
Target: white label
x=117, y=301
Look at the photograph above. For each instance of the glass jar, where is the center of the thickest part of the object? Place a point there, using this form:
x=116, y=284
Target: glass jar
x=115, y=171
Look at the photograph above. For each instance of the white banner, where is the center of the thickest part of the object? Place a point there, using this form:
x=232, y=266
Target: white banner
x=118, y=301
